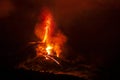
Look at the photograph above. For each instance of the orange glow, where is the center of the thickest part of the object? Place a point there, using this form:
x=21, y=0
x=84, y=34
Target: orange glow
x=49, y=49
x=47, y=28
x=53, y=41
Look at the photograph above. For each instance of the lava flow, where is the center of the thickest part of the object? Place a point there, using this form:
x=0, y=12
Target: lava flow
x=52, y=40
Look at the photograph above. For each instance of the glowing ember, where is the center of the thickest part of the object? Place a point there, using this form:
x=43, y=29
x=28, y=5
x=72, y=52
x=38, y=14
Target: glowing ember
x=51, y=42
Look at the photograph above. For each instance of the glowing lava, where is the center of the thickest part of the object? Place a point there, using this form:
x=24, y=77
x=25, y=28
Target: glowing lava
x=51, y=40
x=48, y=24
x=49, y=49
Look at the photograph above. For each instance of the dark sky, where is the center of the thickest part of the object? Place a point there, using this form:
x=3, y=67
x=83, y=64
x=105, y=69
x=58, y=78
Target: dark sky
x=92, y=27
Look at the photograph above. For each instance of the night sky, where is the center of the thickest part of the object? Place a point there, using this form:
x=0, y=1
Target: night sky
x=91, y=26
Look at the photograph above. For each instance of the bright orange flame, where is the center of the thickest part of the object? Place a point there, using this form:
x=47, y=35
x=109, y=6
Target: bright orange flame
x=49, y=49
x=53, y=41
x=47, y=28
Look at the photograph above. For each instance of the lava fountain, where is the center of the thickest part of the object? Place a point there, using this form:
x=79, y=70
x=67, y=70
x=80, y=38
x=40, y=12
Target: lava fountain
x=51, y=39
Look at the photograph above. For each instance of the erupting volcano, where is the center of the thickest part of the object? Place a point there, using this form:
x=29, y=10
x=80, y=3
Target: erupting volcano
x=51, y=39
x=48, y=49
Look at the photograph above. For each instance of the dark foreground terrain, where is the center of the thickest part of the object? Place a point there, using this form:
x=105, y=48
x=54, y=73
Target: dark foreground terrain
x=22, y=74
